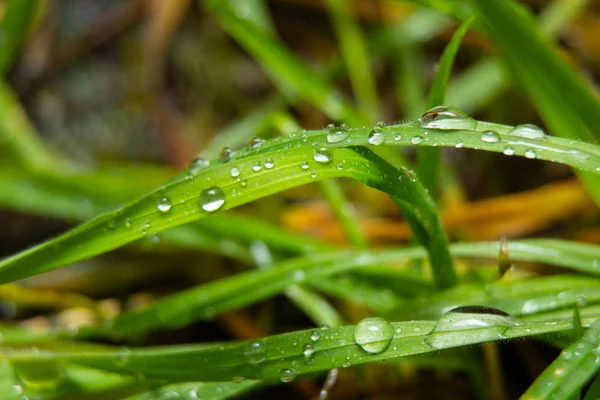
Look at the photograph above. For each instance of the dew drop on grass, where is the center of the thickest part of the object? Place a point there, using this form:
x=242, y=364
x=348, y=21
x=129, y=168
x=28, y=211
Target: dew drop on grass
x=269, y=163
x=530, y=153
x=212, y=199
x=255, y=352
x=528, y=131
x=256, y=167
x=508, y=151
x=234, y=172
x=373, y=335
x=459, y=145
x=164, y=205
x=226, y=154
x=287, y=375
x=381, y=124
x=467, y=322
x=417, y=139
x=315, y=336
x=330, y=127
x=397, y=138
x=336, y=135
x=198, y=164
x=322, y=156
x=490, y=137
x=446, y=118
x=304, y=165
x=255, y=142
x=376, y=137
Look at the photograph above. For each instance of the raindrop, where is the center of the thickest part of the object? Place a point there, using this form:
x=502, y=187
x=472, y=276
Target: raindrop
x=374, y=335
x=449, y=330
x=508, y=151
x=490, y=137
x=459, y=145
x=447, y=118
x=336, y=135
x=313, y=175
x=287, y=375
x=417, y=140
x=211, y=199
x=344, y=127
x=528, y=131
x=397, y=138
x=324, y=327
x=234, y=172
x=322, y=156
x=256, y=167
x=381, y=124
x=376, y=137
x=530, y=153
x=198, y=164
x=164, y=205
x=308, y=351
x=226, y=154
x=330, y=127
x=255, y=352
x=315, y=336
x=269, y=163
x=347, y=364
x=243, y=182
x=255, y=142
x=304, y=165
x=340, y=166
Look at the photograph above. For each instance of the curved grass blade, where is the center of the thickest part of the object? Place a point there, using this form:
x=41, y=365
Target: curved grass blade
x=571, y=370
x=199, y=390
x=428, y=158
x=280, y=357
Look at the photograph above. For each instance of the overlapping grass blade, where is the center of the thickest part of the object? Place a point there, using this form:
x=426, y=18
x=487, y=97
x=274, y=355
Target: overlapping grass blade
x=571, y=370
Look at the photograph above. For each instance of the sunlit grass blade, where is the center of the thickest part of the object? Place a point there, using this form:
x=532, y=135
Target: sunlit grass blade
x=283, y=357
x=428, y=158
x=571, y=370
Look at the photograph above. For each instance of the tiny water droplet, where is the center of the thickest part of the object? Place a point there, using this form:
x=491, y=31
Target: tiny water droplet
x=381, y=124
x=313, y=175
x=269, y=163
x=322, y=156
x=164, y=205
x=315, y=336
x=340, y=166
x=508, y=151
x=255, y=142
x=304, y=165
x=212, y=199
x=528, y=131
x=256, y=167
x=330, y=127
x=234, y=172
x=373, y=335
x=347, y=364
x=238, y=379
x=287, y=375
x=459, y=145
x=198, y=164
x=308, y=351
x=324, y=327
x=376, y=137
x=344, y=127
x=397, y=138
x=490, y=137
x=530, y=153
x=255, y=352
x=243, y=183
x=417, y=140
x=226, y=153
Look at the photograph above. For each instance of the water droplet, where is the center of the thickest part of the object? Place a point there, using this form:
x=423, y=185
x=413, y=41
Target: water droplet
x=508, y=151
x=255, y=352
x=376, y=137
x=315, y=336
x=308, y=351
x=255, y=142
x=330, y=127
x=530, y=153
x=234, y=172
x=198, y=164
x=324, y=327
x=211, y=199
x=490, y=137
x=313, y=175
x=238, y=379
x=340, y=166
x=336, y=135
x=256, y=167
x=459, y=145
x=304, y=165
x=447, y=118
x=450, y=329
x=322, y=156
x=226, y=154
x=344, y=127
x=269, y=163
x=381, y=124
x=164, y=205
x=373, y=334
x=397, y=138
x=528, y=131
x=128, y=223
x=417, y=140
x=243, y=183
x=287, y=375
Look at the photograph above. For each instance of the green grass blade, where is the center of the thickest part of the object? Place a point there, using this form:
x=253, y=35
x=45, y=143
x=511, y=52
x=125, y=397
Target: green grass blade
x=281, y=357
x=199, y=390
x=571, y=370
x=356, y=57
x=428, y=158
x=17, y=20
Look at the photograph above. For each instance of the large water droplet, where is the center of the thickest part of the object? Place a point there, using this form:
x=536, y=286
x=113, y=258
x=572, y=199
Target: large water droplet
x=374, y=335
x=198, y=164
x=287, y=375
x=528, y=131
x=164, y=205
x=447, y=118
x=530, y=153
x=255, y=352
x=490, y=137
x=337, y=135
x=255, y=142
x=450, y=329
x=417, y=140
x=322, y=156
x=211, y=199
x=376, y=137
